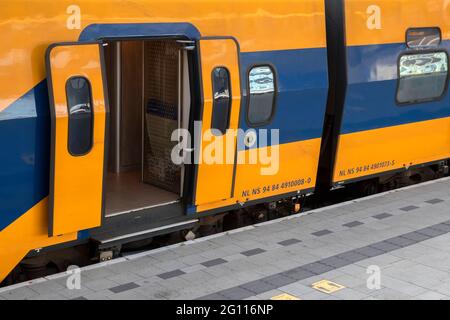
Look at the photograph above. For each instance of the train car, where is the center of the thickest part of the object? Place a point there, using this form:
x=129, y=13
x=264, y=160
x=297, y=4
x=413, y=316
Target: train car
x=390, y=109
x=93, y=92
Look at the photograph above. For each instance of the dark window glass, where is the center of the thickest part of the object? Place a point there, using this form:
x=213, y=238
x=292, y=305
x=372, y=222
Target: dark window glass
x=423, y=38
x=79, y=101
x=423, y=77
x=262, y=95
x=222, y=100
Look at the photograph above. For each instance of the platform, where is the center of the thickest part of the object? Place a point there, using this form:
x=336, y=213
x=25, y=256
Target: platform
x=403, y=233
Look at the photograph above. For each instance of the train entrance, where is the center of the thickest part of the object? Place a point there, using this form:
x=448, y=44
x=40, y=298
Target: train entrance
x=149, y=95
x=116, y=108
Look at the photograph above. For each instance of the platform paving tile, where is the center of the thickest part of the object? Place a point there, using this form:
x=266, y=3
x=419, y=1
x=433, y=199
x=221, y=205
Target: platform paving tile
x=435, y=201
x=124, y=287
x=317, y=268
x=171, y=274
x=336, y=261
x=406, y=233
x=353, y=224
x=409, y=208
x=214, y=296
x=278, y=280
x=401, y=241
x=19, y=294
x=403, y=286
x=388, y=294
x=297, y=289
x=442, y=227
x=322, y=233
x=236, y=293
x=82, y=292
x=381, y=261
x=258, y=286
x=193, y=268
x=125, y=278
x=253, y=252
x=439, y=261
x=431, y=232
x=382, y=216
x=196, y=277
x=48, y=296
x=215, y=262
x=289, y=242
x=131, y=295
x=430, y=295
x=48, y=287
x=416, y=236
x=349, y=294
x=369, y=251
x=351, y=257
x=443, y=288
x=385, y=246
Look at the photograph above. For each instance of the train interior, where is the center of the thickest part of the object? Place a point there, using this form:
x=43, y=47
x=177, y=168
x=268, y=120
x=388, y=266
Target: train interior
x=149, y=97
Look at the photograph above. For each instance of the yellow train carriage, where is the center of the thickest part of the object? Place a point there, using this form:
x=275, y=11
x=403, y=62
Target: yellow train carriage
x=92, y=93
x=393, y=109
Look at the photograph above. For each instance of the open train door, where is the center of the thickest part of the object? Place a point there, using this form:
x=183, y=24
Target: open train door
x=220, y=119
x=79, y=110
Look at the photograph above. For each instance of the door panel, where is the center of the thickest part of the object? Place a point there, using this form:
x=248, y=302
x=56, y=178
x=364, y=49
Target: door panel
x=78, y=120
x=215, y=180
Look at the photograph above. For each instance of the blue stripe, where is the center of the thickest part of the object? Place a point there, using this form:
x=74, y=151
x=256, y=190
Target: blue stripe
x=370, y=102
x=302, y=91
x=83, y=234
x=24, y=164
x=94, y=32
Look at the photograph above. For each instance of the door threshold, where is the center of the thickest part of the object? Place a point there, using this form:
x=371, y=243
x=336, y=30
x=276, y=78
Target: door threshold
x=157, y=230
x=110, y=215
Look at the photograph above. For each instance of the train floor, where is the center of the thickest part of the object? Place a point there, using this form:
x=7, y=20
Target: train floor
x=126, y=192
x=389, y=246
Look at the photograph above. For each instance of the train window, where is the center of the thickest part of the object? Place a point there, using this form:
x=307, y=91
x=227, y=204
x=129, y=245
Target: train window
x=422, y=77
x=423, y=38
x=262, y=89
x=221, y=100
x=79, y=102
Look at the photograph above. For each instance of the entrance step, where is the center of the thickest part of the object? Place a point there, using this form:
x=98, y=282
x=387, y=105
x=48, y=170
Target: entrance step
x=139, y=225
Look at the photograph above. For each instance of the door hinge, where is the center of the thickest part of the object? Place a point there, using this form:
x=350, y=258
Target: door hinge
x=188, y=45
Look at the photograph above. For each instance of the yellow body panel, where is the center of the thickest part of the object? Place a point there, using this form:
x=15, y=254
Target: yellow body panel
x=214, y=181
x=29, y=232
x=29, y=27
x=395, y=17
x=376, y=151
x=78, y=180
x=298, y=164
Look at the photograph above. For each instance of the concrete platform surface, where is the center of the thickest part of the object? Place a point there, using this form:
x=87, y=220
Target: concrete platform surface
x=394, y=245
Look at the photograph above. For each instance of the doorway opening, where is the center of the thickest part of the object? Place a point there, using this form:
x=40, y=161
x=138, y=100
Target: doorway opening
x=149, y=97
